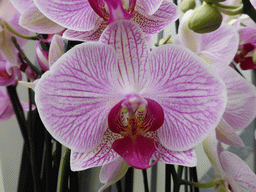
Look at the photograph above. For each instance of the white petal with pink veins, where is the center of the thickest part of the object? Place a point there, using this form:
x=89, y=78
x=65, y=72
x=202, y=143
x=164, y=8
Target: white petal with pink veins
x=192, y=96
x=73, y=14
x=75, y=96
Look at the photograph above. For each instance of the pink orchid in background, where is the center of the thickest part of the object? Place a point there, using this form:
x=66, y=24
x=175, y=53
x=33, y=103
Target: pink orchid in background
x=233, y=173
x=218, y=49
x=56, y=49
x=6, y=109
x=116, y=98
x=32, y=19
x=246, y=48
x=9, y=74
x=86, y=23
x=10, y=15
x=112, y=172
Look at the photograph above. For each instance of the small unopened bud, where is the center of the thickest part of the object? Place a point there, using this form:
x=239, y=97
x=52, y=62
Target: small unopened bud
x=205, y=19
x=187, y=4
x=254, y=56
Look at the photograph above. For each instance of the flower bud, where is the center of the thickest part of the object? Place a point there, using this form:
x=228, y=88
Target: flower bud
x=187, y=4
x=254, y=56
x=205, y=19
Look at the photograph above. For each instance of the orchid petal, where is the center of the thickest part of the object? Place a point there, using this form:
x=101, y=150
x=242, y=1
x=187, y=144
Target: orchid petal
x=239, y=175
x=151, y=24
x=100, y=155
x=192, y=97
x=92, y=35
x=136, y=153
x=241, y=106
x=112, y=172
x=35, y=21
x=186, y=158
x=21, y=5
x=219, y=46
x=129, y=42
x=210, y=148
x=82, y=86
x=73, y=14
x=56, y=49
x=150, y=6
x=226, y=134
x=247, y=35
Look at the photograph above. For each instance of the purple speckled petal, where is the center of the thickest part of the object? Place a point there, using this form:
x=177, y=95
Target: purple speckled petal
x=238, y=174
x=21, y=5
x=219, y=46
x=129, y=42
x=56, y=49
x=247, y=35
x=241, y=106
x=100, y=155
x=192, y=97
x=73, y=14
x=186, y=158
x=226, y=134
x=76, y=95
x=151, y=24
x=150, y=6
x=112, y=172
x=35, y=21
x=92, y=35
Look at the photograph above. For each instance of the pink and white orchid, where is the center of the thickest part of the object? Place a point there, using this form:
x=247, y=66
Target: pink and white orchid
x=232, y=178
x=10, y=15
x=86, y=23
x=218, y=49
x=116, y=98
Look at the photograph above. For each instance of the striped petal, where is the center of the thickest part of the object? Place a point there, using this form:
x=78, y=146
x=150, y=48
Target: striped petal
x=75, y=96
x=129, y=42
x=101, y=155
x=241, y=106
x=241, y=178
x=151, y=24
x=150, y=6
x=73, y=14
x=192, y=97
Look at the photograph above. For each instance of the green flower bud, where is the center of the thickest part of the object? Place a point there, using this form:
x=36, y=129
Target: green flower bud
x=187, y=4
x=205, y=19
x=254, y=56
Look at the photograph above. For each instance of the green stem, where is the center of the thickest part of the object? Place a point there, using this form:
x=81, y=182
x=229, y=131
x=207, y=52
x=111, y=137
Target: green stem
x=64, y=172
x=200, y=185
x=249, y=10
x=14, y=40
x=18, y=34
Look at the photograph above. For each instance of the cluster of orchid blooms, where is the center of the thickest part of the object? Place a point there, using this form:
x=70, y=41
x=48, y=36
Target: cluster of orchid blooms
x=117, y=102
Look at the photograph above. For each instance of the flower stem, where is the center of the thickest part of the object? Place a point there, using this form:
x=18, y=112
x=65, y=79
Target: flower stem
x=64, y=172
x=167, y=178
x=145, y=180
x=119, y=186
x=128, y=187
x=23, y=56
x=200, y=185
x=18, y=34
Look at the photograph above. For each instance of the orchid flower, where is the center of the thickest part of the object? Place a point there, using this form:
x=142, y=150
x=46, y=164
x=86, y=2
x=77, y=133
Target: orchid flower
x=246, y=48
x=86, y=23
x=6, y=109
x=218, y=49
x=32, y=19
x=9, y=74
x=232, y=178
x=9, y=15
x=115, y=98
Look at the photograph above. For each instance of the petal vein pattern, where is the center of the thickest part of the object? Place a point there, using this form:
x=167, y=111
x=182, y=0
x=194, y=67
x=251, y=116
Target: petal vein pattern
x=192, y=97
x=75, y=96
x=132, y=52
